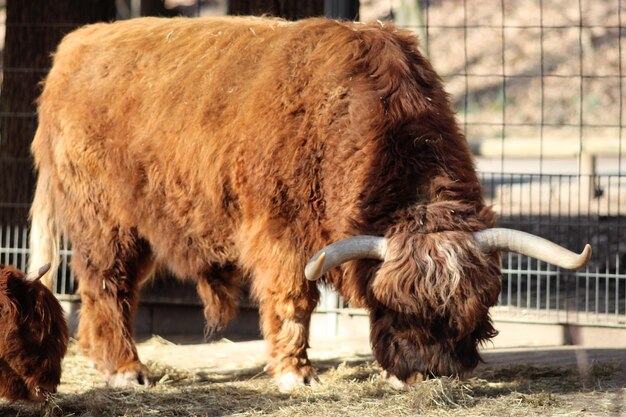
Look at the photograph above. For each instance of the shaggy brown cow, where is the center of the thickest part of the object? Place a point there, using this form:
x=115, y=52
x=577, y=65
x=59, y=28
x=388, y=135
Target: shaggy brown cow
x=228, y=147
x=33, y=337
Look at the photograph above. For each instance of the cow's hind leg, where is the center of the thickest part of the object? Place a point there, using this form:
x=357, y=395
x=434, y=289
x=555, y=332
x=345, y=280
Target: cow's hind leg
x=109, y=275
x=219, y=289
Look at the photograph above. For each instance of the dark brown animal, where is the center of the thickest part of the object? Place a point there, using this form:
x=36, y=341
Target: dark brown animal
x=33, y=337
x=228, y=147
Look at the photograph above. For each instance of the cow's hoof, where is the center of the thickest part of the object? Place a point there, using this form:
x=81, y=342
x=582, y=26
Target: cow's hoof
x=407, y=385
x=289, y=381
x=213, y=333
x=137, y=375
x=396, y=384
x=42, y=393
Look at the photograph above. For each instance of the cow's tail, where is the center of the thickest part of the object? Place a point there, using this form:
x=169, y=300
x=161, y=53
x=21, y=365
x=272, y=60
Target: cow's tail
x=44, y=232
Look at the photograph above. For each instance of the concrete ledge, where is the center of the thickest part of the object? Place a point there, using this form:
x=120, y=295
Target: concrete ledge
x=511, y=334
x=173, y=319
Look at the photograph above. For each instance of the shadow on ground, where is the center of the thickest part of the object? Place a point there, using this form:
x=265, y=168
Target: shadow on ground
x=352, y=388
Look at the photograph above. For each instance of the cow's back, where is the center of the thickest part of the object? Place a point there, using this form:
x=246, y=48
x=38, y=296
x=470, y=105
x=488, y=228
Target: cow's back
x=202, y=130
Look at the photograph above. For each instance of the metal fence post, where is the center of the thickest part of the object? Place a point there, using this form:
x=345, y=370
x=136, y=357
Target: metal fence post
x=342, y=9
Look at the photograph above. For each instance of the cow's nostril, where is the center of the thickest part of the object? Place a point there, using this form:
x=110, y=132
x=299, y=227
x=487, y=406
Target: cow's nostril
x=42, y=392
x=416, y=378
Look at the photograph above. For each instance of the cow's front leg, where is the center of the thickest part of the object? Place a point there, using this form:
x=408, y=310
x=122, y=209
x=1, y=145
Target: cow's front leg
x=286, y=309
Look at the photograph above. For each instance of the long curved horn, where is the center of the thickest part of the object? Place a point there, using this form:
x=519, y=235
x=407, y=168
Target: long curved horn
x=490, y=240
x=357, y=247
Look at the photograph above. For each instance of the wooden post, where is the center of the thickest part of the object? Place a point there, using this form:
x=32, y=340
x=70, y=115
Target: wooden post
x=587, y=180
x=410, y=16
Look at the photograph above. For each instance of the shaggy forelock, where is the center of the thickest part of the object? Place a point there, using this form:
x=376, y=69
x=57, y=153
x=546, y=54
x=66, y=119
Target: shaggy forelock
x=435, y=274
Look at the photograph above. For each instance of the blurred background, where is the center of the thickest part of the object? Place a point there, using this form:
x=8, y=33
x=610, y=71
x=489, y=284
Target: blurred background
x=538, y=87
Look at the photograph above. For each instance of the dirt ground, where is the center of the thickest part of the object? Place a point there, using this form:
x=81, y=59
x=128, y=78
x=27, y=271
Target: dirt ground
x=227, y=379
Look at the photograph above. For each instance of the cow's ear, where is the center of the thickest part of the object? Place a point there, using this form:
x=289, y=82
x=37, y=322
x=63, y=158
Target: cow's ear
x=9, y=277
x=10, y=284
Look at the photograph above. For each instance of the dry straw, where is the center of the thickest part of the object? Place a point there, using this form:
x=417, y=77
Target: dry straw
x=346, y=389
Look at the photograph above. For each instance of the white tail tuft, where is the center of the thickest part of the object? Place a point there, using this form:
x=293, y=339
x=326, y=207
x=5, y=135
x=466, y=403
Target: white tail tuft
x=44, y=234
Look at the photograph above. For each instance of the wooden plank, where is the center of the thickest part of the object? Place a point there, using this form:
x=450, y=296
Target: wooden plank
x=551, y=148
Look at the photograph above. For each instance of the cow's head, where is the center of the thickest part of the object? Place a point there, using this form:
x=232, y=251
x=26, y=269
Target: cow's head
x=429, y=299
x=33, y=336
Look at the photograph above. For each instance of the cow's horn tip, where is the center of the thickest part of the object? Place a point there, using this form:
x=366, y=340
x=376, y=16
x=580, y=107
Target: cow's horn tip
x=43, y=270
x=586, y=255
x=36, y=276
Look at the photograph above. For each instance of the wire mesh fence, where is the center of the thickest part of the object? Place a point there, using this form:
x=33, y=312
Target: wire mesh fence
x=538, y=88
x=553, y=206
x=14, y=251
x=539, y=92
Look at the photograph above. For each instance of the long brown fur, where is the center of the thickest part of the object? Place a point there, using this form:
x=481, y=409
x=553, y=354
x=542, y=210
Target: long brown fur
x=33, y=338
x=229, y=147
